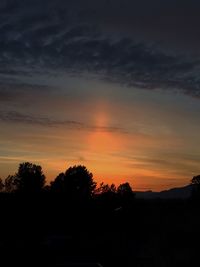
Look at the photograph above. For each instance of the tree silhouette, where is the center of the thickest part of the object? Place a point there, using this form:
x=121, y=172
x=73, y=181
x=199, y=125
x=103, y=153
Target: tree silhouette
x=106, y=189
x=125, y=194
x=1, y=185
x=9, y=185
x=196, y=180
x=125, y=190
x=59, y=185
x=77, y=183
x=196, y=187
x=29, y=178
x=107, y=195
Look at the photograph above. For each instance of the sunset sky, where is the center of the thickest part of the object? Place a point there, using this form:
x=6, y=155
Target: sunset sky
x=113, y=85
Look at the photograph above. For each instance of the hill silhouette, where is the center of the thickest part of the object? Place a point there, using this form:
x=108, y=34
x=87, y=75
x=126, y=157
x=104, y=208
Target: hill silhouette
x=173, y=193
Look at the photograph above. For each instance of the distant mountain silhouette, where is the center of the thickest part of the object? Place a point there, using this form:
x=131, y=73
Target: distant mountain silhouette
x=174, y=193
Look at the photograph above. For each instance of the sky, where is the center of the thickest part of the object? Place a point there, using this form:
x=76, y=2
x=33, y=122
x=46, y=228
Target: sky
x=113, y=85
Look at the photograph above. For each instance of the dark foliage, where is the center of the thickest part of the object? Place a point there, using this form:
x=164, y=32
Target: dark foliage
x=196, y=187
x=107, y=227
x=76, y=183
x=29, y=178
x=106, y=189
x=1, y=185
x=9, y=184
x=125, y=190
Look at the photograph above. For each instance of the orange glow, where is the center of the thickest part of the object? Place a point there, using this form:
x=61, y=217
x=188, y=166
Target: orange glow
x=144, y=154
x=102, y=140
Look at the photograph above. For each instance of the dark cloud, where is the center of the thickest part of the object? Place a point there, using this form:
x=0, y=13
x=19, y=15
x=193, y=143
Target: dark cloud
x=129, y=42
x=172, y=21
x=16, y=117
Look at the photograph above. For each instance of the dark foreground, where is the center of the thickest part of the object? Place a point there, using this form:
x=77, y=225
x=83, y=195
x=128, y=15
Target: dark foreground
x=42, y=231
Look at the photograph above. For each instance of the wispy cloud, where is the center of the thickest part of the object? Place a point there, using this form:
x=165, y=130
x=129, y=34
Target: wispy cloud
x=17, y=117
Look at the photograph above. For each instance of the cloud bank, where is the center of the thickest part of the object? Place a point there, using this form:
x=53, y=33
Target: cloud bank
x=117, y=40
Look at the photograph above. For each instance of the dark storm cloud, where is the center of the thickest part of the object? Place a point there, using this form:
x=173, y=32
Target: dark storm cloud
x=130, y=42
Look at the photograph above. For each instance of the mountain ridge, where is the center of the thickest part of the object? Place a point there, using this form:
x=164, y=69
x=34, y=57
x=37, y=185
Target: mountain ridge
x=172, y=193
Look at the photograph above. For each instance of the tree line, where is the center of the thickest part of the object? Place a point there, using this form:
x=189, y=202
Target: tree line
x=76, y=182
